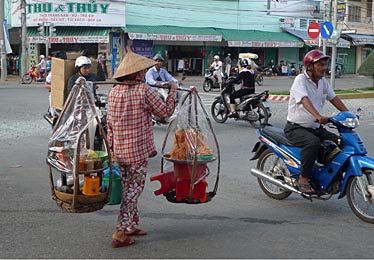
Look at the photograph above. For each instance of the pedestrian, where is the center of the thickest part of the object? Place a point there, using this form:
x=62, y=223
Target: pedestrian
x=304, y=126
x=130, y=107
x=228, y=64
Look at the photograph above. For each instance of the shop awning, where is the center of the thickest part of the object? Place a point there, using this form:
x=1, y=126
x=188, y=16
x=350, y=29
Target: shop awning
x=254, y=38
x=172, y=33
x=361, y=39
x=302, y=34
x=71, y=35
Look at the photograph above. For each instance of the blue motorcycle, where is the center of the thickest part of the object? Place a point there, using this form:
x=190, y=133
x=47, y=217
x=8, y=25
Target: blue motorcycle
x=347, y=171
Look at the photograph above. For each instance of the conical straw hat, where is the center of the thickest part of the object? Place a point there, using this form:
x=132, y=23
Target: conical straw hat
x=133, y=63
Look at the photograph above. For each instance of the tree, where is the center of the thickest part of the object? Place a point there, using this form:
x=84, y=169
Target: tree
x=367, y=67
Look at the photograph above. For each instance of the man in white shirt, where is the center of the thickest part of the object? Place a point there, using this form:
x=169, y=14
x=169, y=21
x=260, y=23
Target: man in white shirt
x=304, y=127
x=217, y=66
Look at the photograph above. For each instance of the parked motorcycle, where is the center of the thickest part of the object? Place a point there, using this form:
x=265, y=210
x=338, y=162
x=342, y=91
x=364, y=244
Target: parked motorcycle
x=211, y=82
x=252, y=108
x=339, y=70
x=163, y=91
x=349, y=172
x=32, y=75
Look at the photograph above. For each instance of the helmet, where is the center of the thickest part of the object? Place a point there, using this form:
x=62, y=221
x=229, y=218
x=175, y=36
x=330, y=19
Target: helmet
x=82, y=61
x=41, y=56
x=216, y=57
x=314, y=56
x=158, y=56
x=244, y=63
x=228, y=54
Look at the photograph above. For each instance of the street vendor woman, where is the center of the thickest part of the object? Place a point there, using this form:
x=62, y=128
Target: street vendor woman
x=130, y=136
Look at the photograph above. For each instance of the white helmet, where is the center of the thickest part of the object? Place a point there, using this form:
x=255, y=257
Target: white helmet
x=82, y=61
x=41, y=56
x=216, y=57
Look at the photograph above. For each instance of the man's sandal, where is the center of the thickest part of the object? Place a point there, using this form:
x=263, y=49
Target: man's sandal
x=306, y=188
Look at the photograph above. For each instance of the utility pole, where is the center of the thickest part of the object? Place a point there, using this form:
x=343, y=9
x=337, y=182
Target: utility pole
x=4, y=70
x=334, y=46
x=23, y=64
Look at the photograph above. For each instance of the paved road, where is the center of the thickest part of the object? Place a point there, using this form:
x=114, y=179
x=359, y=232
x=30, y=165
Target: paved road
x=240, y=222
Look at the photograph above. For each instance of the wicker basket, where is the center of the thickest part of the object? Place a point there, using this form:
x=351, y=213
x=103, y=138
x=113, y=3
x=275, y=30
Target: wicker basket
x=84, y=204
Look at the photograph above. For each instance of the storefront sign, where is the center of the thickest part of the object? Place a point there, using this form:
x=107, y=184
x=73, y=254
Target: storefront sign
x=68, y=39
x=144, y=48
x=341, y=44
x=264, y=44
x=76, y=12
x=175, y=37
x=341, y=9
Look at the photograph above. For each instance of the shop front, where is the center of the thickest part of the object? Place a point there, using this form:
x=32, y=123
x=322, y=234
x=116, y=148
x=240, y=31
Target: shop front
x=363, y=44
x=184, y=48
x=271, y=47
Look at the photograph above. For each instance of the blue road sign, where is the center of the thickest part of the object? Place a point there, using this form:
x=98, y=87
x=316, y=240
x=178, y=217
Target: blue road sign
x=326, y=30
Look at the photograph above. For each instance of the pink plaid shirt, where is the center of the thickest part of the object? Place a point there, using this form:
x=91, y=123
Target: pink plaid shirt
x=129, y=119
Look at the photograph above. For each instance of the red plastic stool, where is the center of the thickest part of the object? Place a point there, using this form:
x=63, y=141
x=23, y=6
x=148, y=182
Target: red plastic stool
x=167, y=181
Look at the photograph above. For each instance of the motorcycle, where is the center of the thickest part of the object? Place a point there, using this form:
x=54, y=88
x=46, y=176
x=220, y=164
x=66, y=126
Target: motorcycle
x=163, y=92
x=347, y=172
x=339, y=70
x=32, y=75
x=259, y=78
x=252, y=108
x=211, y=82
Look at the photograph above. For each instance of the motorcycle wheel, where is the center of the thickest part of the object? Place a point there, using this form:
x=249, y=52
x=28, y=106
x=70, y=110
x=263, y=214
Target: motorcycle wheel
x=207, y=85
x=274, y=166
x=219, y=111
x=263, y=116
x=26, y=79
x=356, y=200
x=259, y=80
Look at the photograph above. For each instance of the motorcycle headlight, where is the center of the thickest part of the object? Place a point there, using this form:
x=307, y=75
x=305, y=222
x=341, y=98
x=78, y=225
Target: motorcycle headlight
x=103, y=99
x=350, y=122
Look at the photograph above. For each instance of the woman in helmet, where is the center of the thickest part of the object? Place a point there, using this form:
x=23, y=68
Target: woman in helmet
x=308, y=94
x=42, y=66
x=83, y=66
x=247, y=77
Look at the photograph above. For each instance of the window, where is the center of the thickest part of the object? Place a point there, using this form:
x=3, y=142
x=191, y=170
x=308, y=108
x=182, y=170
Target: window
x=354, y=13
x=369, y=7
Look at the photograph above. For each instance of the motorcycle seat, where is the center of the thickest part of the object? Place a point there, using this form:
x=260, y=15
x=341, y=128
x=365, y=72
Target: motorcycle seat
x=276, y=135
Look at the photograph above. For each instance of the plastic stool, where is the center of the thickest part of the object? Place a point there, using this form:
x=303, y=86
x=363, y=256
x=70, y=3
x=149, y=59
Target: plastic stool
x=167, y=181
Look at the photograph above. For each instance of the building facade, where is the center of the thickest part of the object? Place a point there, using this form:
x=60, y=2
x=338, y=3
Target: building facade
x=188, y=33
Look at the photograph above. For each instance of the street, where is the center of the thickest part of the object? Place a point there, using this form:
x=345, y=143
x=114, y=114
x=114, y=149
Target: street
x=240, y=221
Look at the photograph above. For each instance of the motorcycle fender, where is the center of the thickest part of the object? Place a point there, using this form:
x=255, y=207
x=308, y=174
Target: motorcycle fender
x=355, y=166
x=258, y=150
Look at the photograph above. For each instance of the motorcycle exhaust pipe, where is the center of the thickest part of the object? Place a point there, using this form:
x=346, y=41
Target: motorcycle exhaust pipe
x=259, y=174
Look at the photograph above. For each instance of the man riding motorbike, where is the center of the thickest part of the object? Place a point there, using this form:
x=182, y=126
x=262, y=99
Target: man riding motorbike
x=217, y=66
x=247, y=77
x=158, y=76
x=304, y=127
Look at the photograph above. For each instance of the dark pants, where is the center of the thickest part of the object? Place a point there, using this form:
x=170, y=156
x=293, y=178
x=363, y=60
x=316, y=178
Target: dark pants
x=310, y=140
x=239, y=93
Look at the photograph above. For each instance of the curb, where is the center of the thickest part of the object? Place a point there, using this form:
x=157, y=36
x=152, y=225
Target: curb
x=342, y=96
x=279, y=97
